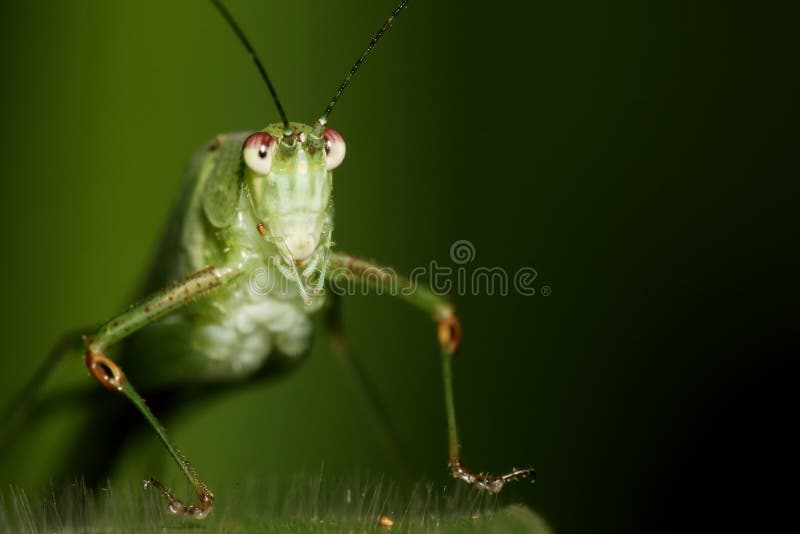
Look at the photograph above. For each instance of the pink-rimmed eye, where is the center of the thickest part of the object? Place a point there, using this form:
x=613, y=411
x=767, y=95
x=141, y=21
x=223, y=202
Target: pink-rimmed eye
x=334, y=148
x=258, y=150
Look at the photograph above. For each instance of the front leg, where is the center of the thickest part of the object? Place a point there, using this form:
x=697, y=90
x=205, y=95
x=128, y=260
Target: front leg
x=111, y=376
x=345, y=268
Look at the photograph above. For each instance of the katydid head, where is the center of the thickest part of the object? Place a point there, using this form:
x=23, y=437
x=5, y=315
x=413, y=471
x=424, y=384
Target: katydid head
x=289, y=174
x=288, y=168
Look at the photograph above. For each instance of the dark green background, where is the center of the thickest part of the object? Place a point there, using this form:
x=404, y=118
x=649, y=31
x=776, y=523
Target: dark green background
x=638, y=155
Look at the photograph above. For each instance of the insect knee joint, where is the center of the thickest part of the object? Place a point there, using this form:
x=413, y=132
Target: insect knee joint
x=449, y=333
x=105, y=371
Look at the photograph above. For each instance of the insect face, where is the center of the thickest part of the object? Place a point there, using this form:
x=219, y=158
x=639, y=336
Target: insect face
x=290, y=178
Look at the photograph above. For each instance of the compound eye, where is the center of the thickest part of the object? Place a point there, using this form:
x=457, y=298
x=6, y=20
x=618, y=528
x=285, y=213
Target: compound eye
x=258, y=150
x=334, y=148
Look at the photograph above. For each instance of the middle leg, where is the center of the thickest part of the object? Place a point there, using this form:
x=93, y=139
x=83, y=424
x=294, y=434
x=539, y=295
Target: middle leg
x=111, y=376
x=346, y=268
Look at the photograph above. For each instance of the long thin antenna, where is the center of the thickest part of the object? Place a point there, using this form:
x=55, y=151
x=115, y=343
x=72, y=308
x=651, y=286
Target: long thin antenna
x=235, y=27
x=324, y=119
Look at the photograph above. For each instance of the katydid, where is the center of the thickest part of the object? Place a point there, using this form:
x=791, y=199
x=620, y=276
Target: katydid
x=251, y=203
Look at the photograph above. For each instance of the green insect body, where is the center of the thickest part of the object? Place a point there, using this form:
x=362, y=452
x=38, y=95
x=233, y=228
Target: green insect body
x=224, y=205
x=242, y=266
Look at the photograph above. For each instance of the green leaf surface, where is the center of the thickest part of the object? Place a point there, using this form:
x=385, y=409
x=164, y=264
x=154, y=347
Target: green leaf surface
x=305, y=504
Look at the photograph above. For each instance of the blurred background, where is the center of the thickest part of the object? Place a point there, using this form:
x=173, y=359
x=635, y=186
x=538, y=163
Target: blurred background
x=638, y=156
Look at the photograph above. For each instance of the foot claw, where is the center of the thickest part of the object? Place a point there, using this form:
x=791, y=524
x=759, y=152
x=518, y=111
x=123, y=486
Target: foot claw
x=485, y=481
x=176, y=507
